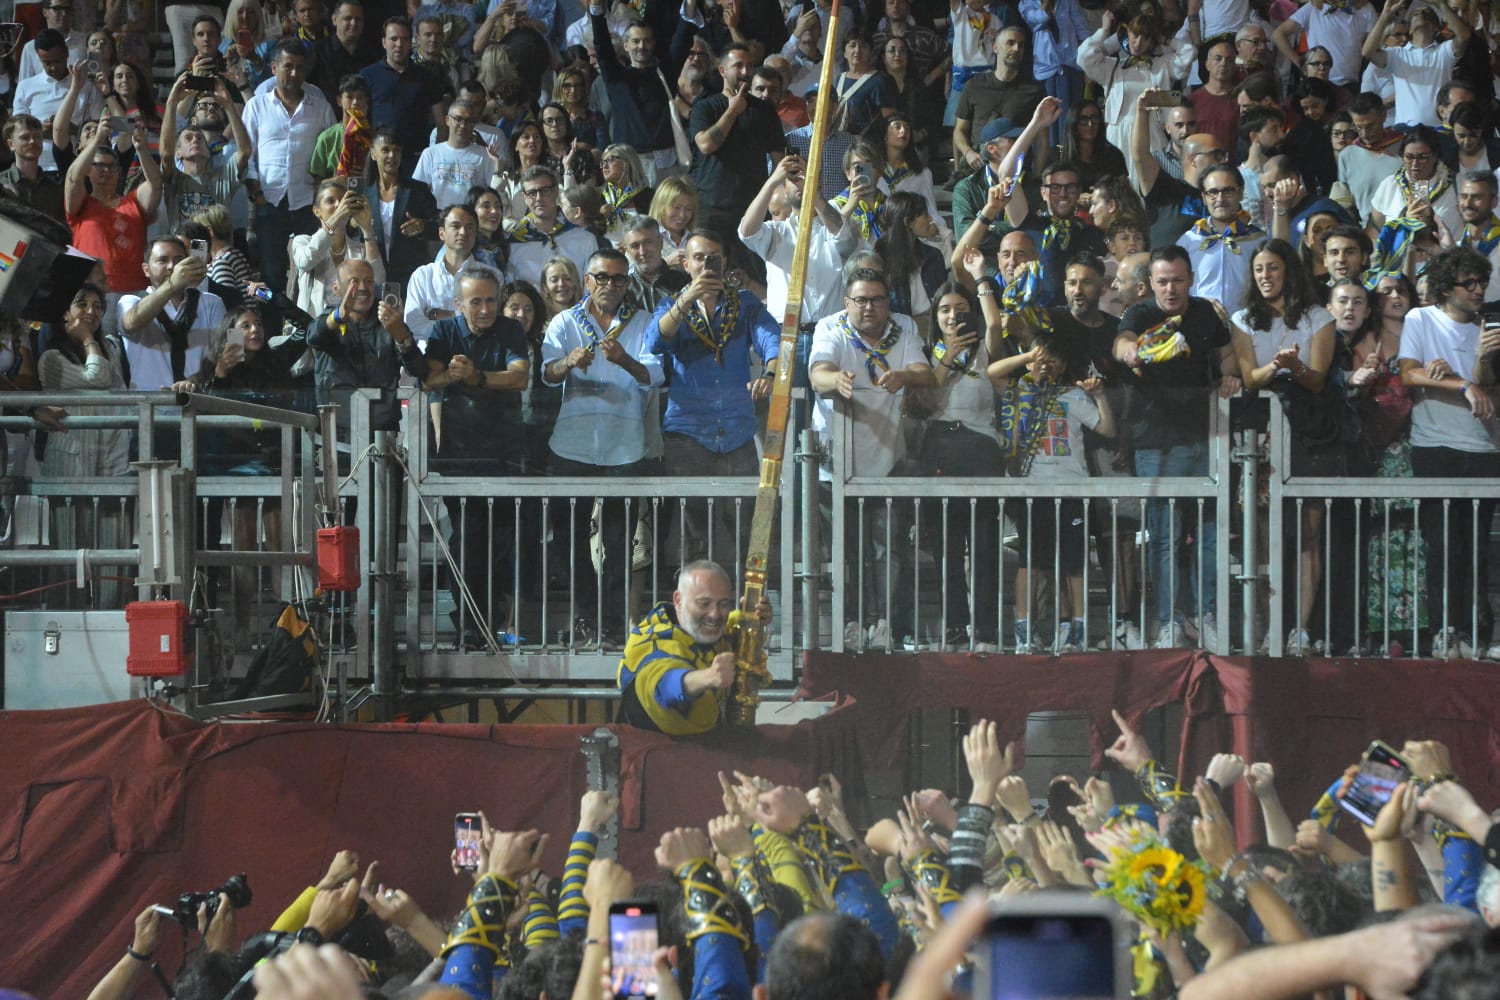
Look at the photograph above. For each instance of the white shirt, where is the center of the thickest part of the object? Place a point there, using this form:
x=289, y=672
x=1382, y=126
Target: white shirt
x=1220, y=273
x=31, y=63
x=1280, y=337
x=282, y=144
x=602, y=418
x=1442, y=419
x=1223, y=16
x=433, y=286
x=823, y=293
x=312, y=259
x=968, y=398
x=1364, y=170
x=450, y=172
x=1341, y=33
x=1377, y=80
x=1389, y=202
x=41, y=96
x=1418, y=75
x=527, y=259
x=150, y=351
x=876, y=443
x=1101, y=59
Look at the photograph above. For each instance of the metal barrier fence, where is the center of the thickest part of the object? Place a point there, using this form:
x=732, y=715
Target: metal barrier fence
x=559, y=568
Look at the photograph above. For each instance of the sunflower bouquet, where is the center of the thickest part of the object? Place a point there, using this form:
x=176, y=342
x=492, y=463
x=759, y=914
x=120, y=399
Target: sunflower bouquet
x=1159, y=887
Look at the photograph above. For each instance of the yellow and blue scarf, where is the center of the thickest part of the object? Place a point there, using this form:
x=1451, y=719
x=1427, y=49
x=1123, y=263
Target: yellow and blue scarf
x=591, y=330
x=727, y=314
x=866, y=214
x=1024, y=412
x=618, y=200
x=1483, y=240
x=877, y=358
x=1388, y=257
x=1240, y=229
x=526, y=231
x=1163, y=342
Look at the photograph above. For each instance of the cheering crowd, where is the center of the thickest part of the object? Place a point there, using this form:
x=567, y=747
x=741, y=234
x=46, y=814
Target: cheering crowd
x=781, y=895
x=576, y=226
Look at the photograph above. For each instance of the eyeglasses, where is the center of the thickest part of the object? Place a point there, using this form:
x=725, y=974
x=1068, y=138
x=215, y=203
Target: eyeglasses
x=554, y=120
x=59, y=10
x=1472, y=284
x=618, y=280
x=1416, y=157
x=610, y=159
x=1220, y=192
x=105, y=167
x=868, y=301
x=534, y=193
x=1345, y=133
x=1317, y=64
x=1062, y=188
x=460, y=120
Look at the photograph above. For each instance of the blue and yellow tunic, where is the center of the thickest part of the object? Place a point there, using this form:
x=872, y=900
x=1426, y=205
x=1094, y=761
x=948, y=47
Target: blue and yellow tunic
x=657, y=658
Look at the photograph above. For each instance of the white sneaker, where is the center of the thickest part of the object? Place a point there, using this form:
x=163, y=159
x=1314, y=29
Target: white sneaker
x=912, y=644
x=852, y=634
x=986, y=647
x=1171, y=636
x=880, y=635
x=1492, y=652
x=1208, y=631
x=1450, y=644
x=1298, y=642
x=1128, y=636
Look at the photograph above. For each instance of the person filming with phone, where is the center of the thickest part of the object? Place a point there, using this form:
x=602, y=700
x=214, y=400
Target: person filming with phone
x=359, y=346
x=169, y=326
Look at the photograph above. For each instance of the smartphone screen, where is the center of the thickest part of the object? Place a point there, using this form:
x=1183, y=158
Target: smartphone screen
x=234, y=336
x=467, y=830
x=633, y=938
x=1379, y=774
x=201, y=84
x=390, y=294
x=1027, y=956
x=199, y=249
x=714, y=263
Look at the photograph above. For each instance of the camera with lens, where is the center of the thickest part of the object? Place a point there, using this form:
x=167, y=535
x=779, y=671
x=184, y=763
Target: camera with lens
x=236, y=888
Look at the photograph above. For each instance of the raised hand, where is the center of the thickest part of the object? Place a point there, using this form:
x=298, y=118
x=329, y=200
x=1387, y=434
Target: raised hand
x=1225, y=769
x=681, y=845
x=1130, y=751
x=596, y=809
x=1213, y=834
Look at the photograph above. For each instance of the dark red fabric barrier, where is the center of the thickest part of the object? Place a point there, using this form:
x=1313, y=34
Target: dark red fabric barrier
x=105, y=810
x=1310, y=718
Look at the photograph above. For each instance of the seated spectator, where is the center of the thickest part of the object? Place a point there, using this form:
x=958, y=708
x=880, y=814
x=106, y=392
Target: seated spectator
x=407, y=217
x=316, y=258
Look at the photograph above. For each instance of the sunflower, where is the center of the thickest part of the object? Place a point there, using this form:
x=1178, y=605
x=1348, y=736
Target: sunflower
x=1160, y=887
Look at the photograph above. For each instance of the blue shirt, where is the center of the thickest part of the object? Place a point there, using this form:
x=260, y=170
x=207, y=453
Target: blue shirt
x=479, y=423
x=1054, y=38
x=710, y=400
x=403, y=101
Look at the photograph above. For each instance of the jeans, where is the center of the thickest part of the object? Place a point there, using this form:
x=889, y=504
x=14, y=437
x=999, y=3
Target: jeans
x=1169, y=578
x=275, y=225
x=600, y=596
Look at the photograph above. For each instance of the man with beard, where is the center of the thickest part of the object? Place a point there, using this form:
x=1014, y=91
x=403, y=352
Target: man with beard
x=1476, y=203
x=733, y=133
x=1221, y=244
x=678, y=664
x=1064, y=235
x=1260, y=131
x=1346, y=251
x=1007, y=93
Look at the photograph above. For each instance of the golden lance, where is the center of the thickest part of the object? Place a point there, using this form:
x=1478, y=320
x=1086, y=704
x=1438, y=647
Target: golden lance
x=750, y=665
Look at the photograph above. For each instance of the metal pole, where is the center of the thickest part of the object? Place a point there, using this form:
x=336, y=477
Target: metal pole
x=1249, y=458
x=807, y=455
x=383, y=573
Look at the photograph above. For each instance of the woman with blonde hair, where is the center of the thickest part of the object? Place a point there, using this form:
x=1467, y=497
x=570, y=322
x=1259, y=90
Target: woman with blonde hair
x=246, y=45
x=562, y=288
x=625, y=189
x=675, y=207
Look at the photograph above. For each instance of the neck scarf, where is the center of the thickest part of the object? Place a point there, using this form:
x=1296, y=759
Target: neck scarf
x=1440, y=182
x=865, y=213
x=1484, y=237
x=1238, y=230
x=725, y=317
x=177, y=331
x=618, y=201
x=1024, y=412
x=875, y=358
x=1163, y=342
x=1347, y=6
x=979, y=21
x=309, y=34
x=1391, y=244
x=1129, y=59
x=960, y=363
x=1058, y=234
x=895, y=175
x=356, y=149
x=527, y=231
x=591, y=329
x=1022, y=297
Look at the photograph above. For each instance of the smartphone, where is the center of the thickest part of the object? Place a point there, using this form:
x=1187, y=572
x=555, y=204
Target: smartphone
x=862, y=171
x=355, y=249
x=714, y=264
x=1381, y=770
x=235, y=336
x=199, y=249
x=390, y=294
x=118, y=124
x=467, y=830
x=202, y=84
x=244, y=42
x=633, y=939
x=1163, y=99
x=789, y=152
x=1053, y=947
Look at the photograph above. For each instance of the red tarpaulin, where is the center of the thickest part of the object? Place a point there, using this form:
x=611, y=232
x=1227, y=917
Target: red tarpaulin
x=1310, y=718
x=104, y=810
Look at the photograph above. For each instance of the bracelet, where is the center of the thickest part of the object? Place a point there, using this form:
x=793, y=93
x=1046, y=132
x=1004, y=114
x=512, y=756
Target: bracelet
x=145, y=959
x=987, y=220
x=984, y=289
